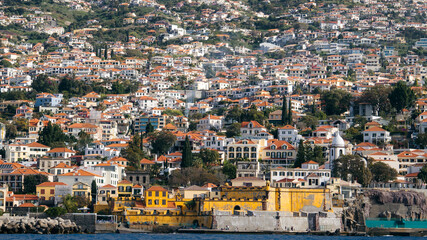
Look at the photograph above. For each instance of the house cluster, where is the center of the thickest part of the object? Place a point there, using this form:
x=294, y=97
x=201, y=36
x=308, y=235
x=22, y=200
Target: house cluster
x=189, y=79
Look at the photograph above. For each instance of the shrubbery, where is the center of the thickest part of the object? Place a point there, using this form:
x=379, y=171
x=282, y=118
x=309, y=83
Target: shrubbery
x=54, y=212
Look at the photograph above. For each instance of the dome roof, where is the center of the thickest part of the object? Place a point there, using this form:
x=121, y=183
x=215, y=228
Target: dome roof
x=338, y=141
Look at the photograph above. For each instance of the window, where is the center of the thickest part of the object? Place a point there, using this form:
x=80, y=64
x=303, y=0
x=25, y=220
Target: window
x=164, y=194
x=156, y=202
x=52, y=191
x=42, y=191
x=149, y=193
x=163, y=202
x=150, y=201
x=157, y=193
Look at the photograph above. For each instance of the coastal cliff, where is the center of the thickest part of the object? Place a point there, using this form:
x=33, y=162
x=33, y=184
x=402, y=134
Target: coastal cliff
x=409, y=205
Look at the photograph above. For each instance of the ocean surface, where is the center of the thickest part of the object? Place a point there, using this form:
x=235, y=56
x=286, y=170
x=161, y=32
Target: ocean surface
x=137, y=236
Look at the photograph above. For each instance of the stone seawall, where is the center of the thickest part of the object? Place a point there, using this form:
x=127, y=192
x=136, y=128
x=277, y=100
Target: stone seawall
x=86, y=221
x=11, y=225
x=277, y=221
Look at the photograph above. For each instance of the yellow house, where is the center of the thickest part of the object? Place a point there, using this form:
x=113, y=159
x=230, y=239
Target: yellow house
x=156, y=197
x=83, y=190
x=3, y=194
x=125, y=188
x=46, y=191
x=194, y=191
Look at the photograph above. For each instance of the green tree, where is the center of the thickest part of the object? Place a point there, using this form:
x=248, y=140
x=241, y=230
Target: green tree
x=11, y=131
x=354, y=166
x=229, y=169
x=335, y=101
x=173, y=112
x=284, y=112
x=69, y=204
x=233, y=130
x=31, y=181
x=149, y=128
x=234, y=114
x=134, y=152
x=301, y=158
x=209, y=156
x=54, y=212
x=421, y=140
x=310, y=121
x=290, y=112
x=382, y=172
x=6, y=64
x=93, y=191
x=84, y=139
x=253, y=115
x=378, y=97
x=53, y=136
x=162, y=142
x=187, y=155
x=194, y=176
x=422, y=175
x=42, y=83
x=317, y=155
x=402, y=96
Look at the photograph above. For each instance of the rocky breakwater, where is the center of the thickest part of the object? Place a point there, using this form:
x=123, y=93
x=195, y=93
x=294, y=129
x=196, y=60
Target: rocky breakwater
x=38, y=226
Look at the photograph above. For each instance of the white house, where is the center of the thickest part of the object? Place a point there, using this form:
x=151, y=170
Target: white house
x=81, y=176
x=251, y=129
x=60, y=152
x=289, y=133
x=14, y=152
x=321, y=176
x=209, y=122
x=376, y=134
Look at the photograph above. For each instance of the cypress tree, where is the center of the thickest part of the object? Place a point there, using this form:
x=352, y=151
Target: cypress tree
x=187, y=155
x=290, y=113
x=284, y=112
x=149, y=128
x=142, y=142
x=300, y=154
x=106, y=53
x=93, y=190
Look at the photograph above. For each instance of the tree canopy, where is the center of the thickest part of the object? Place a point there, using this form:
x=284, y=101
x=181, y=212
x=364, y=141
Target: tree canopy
x=335, y=101
x=402, y=96
x=31, y=181
x=187, y=155
x=162, y=141
x=382, y=172
x=53, y=136
x=350, y=168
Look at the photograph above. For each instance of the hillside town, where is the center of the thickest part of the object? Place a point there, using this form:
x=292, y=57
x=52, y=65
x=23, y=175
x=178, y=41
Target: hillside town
x=144, y=109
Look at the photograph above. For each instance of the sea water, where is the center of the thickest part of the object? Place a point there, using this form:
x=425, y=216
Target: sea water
x=137, y=236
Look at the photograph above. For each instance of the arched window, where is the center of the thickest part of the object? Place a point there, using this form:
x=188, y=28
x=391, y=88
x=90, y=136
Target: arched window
x=273, y=147
x=239, y=149
x=231, y=149
x=246, y=149
x=253, y=149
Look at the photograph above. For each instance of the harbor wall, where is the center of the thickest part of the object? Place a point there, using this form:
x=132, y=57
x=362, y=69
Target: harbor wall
x=277, y=221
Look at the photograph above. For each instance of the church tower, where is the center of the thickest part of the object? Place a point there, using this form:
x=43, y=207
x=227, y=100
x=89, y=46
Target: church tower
x=336, y=149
